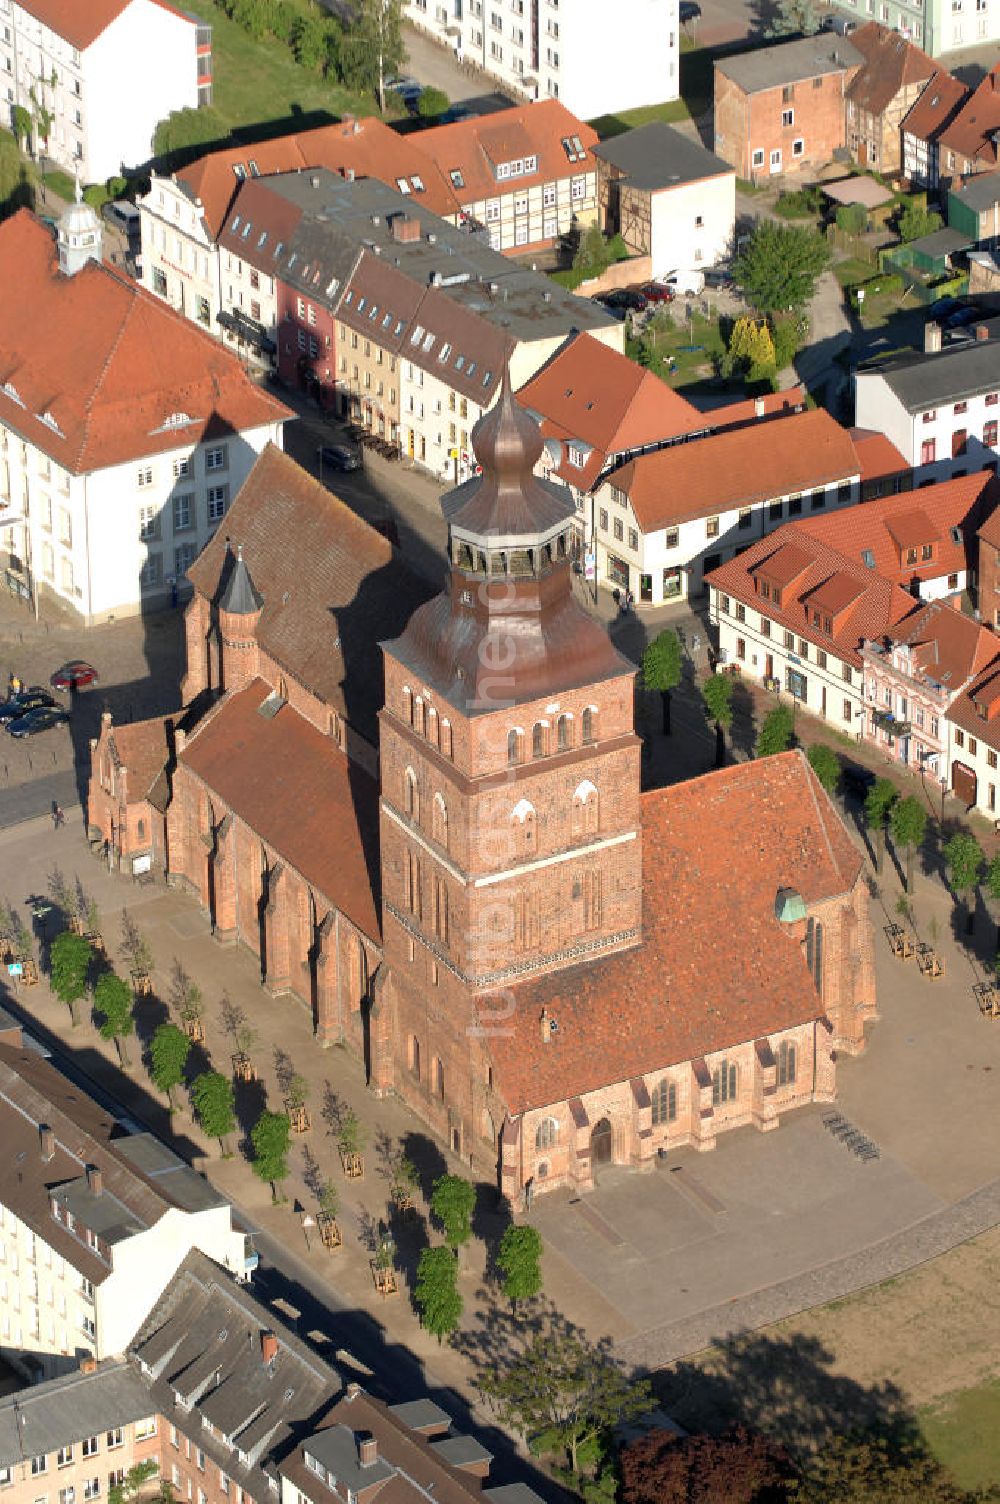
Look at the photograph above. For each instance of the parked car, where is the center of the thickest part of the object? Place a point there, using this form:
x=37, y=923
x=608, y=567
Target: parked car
x=624, y=300
x=688, y=11
x=685, y=283
x=406, y=88
x=74, y=675
x=456, y=112
x=718, y=276
x=943, y=306
x=339, y=457
x=968, y=313
x=655, y=292
x=844, y=26
x=42, y=718
x=28, y=699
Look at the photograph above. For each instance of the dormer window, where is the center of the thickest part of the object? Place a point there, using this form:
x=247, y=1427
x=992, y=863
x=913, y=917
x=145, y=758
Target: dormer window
x=927, y=552
x=911, y=556
x=575, y=456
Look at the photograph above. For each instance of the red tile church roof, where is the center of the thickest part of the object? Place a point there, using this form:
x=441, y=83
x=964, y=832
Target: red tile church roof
x=715, y=967
x=298, y=792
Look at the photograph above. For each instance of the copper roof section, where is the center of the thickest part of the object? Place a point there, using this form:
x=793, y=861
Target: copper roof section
x=523, y=618
x=508, y=500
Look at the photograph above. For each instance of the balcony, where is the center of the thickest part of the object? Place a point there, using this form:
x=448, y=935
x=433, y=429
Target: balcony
x=886, y=721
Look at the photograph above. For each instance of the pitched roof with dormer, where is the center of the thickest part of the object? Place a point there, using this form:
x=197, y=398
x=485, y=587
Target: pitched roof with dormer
x=472, y=155
x=730, y=841
x=858, y=601
x=95, y=371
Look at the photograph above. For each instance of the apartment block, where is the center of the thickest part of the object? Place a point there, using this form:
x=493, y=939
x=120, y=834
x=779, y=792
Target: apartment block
x=96, y=79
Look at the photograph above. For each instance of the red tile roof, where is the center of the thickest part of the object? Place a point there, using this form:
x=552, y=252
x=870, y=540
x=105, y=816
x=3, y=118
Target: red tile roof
x=100, y=367
x=877, y=606
x=971, y=131
x=80, y=24
x=878, y=527
x=367, y=147
x=936, y=106
x=878, y=456
x=715, y=967
x=332, y=586
x=474, y=148
x=949, y=647
x=891, y=65
x=594, y=394
x=737, y=467
x=299, y=793
x=143, y=747
x=964, y=710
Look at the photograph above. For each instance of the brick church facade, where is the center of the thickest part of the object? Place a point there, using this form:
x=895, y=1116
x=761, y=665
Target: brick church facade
x=448, y=857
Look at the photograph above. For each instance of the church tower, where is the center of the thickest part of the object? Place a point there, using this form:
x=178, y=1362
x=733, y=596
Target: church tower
x=510, y=820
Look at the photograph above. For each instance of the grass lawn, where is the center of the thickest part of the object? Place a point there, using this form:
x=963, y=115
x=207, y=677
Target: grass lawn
x=259, y=85
x=669, y=347
x=962, y=1432
x=851, y=272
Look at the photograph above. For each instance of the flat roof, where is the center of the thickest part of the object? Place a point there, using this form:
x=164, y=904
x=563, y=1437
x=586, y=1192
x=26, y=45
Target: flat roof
x=857, y=190
x=770, y=67
x=656, y=156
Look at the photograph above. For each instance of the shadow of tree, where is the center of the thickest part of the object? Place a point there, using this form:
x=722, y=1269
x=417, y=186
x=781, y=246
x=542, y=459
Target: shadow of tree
x=249, y=1101
x=786, y=1388
x=427, y=1158
x=332, y=1110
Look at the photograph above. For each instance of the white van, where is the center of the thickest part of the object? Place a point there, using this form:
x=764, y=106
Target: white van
x=685, y=284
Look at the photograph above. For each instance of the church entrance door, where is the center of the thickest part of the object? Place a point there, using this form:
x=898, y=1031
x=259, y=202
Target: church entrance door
x=600, y=1143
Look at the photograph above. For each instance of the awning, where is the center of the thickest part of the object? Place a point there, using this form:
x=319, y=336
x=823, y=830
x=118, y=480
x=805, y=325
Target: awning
x=246, y=328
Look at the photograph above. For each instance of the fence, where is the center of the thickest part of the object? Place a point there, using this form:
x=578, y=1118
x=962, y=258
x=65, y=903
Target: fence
x=852, y=245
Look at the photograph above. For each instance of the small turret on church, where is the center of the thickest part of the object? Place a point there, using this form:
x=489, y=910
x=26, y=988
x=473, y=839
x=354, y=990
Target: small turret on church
x=239, y=606
x=511, y=840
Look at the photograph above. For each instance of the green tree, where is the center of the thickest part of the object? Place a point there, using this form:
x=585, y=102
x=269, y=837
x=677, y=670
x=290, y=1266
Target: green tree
x=373, y=48
x=825, y=764
x=69, y=962
x=717, y=694
x=792, y=18
x=404, y=1178
x=329, y=1200
x=351, y=1133
x=270, y=1136
x=113, y=999
x=432, y=104
x=915, y=220
x=134, y=945
x=453, y=1201
x=187, y=128
x=849, y=1470
x=779, y=266
x=212, y=1094
x=169, y=1050
x=776, y=732
x=852, y=218
x=562, y=1384
x=964, y=860
x=751, y=349
x=309, y=42
x=908, y=823
x=661, y=669
x=992, y=881
x=436, y=1292
x=21, y=121
x=519, y=1259
x=878, y=806
x=138, y=1475
x=591, y=254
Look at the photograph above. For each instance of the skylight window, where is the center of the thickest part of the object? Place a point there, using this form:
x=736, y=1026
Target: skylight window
x=398, y=329
x=487, y=378
x=254, y=169
x=262, y=242
x=418, y=182
x=444, y=351
x=239, y=171
x=236, y=221
x=278, y=249
x=868, y=558
x=373, y=310
x=387, y=321
x=428, y=343
x=457, y=180
x=246, y=229
x=472, y=368
x=459, y=362
x=292, y=259
x=361, y=304
x=417, y=335
x=402, y=185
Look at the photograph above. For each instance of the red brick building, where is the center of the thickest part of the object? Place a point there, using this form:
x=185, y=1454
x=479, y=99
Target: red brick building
x=130, y=790
x=782, y=109
x=527, y=949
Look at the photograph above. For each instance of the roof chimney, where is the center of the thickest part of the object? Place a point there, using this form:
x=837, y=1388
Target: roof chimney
x=758, y=407
x=367, y=1450
x=545, y=1025
x=352, y=1391
x=932, y=337
x=268, y=1347
x=982, y=332
x=46, y=1142
x=95, y=1179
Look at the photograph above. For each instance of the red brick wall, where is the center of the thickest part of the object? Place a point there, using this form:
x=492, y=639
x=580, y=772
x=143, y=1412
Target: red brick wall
x=744, y=124
x=315, y=374
x=989, y=582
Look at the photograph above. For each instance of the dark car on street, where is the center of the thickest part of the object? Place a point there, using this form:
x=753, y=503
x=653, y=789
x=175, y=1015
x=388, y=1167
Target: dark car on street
x=42, y=718
x=625, y=300
x=74, y=675
x=339, y=457
x=941, y=307
x=28, y=699
x=968, y=313
x=688, y=11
